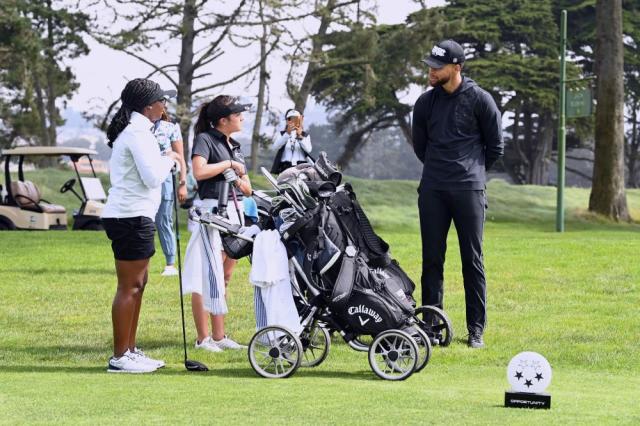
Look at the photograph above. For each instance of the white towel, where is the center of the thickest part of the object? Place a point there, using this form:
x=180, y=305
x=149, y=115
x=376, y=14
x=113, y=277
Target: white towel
x=269, y=262
x=274, y=305
x=273, y=298
x=203, y=269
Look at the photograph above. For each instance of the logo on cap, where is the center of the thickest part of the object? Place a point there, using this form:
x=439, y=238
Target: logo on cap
x=438, y=51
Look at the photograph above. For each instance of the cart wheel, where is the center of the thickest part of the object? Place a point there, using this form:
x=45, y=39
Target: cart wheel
x=424, y=346
x=436, y=324
x=316, y=342
x=275, y=352
x=393, y=355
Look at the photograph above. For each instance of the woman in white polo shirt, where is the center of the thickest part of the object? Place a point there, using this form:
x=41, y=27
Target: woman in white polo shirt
x=137, y=170
x=293, y=145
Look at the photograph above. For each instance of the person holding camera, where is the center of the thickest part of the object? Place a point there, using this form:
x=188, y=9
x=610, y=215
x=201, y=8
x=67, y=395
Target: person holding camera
x=169, y=139
x=217, y=162
x=137, y=170
x=293, y=145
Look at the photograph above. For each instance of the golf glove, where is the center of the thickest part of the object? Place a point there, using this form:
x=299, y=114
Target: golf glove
x=230, y=176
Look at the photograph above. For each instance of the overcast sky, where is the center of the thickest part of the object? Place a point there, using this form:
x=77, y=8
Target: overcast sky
x=103, y=72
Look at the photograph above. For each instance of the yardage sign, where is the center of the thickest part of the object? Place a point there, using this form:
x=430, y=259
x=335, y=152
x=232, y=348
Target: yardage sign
x=579, y=102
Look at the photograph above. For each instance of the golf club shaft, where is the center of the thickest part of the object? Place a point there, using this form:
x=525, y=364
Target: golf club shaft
x=226, y=231
x=175, y=209
x=235, y=203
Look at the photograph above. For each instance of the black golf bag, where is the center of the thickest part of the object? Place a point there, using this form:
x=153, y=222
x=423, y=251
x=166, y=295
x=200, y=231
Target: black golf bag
x=361, y=284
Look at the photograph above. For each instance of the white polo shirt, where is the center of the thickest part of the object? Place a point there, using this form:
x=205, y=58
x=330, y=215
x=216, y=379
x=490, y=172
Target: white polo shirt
x=293, y=147
x=137, y=170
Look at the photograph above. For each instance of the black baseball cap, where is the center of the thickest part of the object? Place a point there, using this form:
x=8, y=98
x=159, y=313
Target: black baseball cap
x=215, y=113
x=443, y=53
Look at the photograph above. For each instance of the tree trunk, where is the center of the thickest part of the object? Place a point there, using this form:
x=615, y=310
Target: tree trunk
x=528, y=143
x=317, y=42
x=262, y=83
x=185, y=74
x=514, y=157
x=52, y=111
x=632, y=147
x=355, y=140
x=608, y=193
x=405, y=126
x=42, y=113
x=403, y=119
x=542, y=150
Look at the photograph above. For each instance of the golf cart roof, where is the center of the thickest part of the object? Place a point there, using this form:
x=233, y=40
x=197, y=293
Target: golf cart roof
x=48, y=150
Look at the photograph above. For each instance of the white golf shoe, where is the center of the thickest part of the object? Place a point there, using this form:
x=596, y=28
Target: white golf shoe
x=129, y=363
x=169, y=271
x=142, y=357
x=208, y=345
x=227, y=343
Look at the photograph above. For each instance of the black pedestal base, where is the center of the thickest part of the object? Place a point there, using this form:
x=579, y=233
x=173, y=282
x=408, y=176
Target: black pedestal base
x=527, y=400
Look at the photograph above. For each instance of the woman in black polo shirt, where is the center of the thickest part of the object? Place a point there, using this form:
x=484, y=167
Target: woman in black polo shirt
x=207, y=268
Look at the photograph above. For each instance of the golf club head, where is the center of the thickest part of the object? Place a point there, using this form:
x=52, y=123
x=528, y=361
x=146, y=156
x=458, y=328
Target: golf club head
x=195, y=366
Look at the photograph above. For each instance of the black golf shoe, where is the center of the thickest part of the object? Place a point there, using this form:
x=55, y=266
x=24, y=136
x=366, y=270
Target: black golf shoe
x=475, y=340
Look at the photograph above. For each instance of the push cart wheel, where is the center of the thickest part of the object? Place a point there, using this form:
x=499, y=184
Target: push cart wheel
x=316, y=342
x=424, y=346
x=435, y=323
x=393, y=355
x=275, y=352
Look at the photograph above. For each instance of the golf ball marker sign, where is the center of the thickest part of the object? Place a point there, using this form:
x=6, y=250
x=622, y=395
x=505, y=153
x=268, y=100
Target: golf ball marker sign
x=529, y=374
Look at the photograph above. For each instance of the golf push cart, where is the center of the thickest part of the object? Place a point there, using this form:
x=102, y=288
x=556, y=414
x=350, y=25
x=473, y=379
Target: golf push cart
x=23, y=208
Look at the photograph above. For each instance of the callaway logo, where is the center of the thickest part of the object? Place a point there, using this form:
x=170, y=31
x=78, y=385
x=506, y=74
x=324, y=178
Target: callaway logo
x=361, y=309
x=438, y=51
x=362, y=323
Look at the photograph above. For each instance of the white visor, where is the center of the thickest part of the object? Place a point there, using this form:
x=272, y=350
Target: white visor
x=293, y=113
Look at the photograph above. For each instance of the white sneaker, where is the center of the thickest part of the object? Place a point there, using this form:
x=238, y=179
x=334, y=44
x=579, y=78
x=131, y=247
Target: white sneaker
x=128, y=363
x=227, y=343
x=208, y=345
x=169, y=271
x=140, y=356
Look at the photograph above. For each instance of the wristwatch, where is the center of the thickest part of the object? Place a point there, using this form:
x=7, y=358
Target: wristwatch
x=183, y=182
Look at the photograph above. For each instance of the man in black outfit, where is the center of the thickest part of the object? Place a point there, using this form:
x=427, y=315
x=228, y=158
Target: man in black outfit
x=457, y=134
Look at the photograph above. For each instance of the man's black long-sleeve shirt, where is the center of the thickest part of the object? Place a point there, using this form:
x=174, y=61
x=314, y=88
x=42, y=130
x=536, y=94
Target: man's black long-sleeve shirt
x=457, y=136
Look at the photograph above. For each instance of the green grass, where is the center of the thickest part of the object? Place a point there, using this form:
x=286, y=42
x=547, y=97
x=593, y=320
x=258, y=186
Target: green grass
x=573, y=297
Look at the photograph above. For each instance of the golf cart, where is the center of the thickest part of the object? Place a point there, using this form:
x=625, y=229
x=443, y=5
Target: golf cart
x=23, y=207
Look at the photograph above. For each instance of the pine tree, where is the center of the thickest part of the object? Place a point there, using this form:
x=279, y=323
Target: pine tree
x=36, y=37
x=513, y=54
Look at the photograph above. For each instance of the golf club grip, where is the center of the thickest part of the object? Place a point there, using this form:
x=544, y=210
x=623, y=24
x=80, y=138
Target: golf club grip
x=223, y=199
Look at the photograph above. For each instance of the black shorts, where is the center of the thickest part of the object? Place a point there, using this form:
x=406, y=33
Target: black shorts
x=132, y=238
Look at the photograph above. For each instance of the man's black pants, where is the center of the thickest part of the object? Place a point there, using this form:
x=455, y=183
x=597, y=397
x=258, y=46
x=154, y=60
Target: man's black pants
x=467, y=210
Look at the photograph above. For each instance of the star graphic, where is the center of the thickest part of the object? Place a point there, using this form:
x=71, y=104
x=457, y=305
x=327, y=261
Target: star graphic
x=539, y=376
x=518, y=375
x=528, y=383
